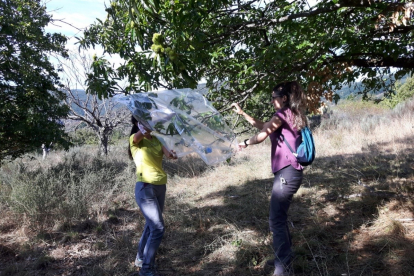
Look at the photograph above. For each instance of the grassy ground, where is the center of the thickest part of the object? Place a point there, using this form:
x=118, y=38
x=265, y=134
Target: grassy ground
x=353, y=214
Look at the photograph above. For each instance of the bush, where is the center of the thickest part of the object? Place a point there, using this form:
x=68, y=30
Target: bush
x=65, y=191
x=404, y=92
x=351, y=114
x=84, y=136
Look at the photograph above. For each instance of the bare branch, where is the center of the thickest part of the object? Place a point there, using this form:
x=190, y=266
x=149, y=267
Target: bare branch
x=102, y=116
x=66, y=23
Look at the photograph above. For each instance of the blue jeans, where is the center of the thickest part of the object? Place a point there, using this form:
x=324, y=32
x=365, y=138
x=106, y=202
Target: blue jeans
x=150, y=199
x=286, y=183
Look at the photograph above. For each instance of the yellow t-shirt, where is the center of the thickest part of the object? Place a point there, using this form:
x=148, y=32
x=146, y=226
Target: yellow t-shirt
x=147, y=156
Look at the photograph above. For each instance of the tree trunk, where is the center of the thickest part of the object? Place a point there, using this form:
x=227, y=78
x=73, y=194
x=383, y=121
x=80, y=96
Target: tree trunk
x=104, y=134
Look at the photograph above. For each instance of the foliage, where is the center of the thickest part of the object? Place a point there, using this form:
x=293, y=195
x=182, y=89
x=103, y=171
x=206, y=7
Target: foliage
x=83, y=136
x=404, y=92
x=30, y=103
x=243, y=48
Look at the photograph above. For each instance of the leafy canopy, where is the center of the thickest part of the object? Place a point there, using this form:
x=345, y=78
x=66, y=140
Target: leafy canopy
x=30, y=103
x=243, y=48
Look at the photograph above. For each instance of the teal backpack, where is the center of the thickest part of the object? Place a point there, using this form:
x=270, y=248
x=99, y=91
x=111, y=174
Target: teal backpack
x=305, y=153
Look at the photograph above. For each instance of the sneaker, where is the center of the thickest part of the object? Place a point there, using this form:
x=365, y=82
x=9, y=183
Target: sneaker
x=138, y=262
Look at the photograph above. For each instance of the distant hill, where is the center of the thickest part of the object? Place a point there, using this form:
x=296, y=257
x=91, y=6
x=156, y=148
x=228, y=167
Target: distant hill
x=358, y=87
x=81, y=94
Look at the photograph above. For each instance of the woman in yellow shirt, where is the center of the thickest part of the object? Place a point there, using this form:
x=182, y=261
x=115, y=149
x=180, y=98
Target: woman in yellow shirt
x=147, y=153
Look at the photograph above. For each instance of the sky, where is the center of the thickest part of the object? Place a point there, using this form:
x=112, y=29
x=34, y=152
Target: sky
x=78, y=13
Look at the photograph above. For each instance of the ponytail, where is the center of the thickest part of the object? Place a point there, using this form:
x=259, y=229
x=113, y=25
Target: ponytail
x=134, y=130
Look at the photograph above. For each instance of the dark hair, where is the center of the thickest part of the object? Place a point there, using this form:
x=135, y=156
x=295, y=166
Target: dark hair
x=296, y=101
x=134, y=130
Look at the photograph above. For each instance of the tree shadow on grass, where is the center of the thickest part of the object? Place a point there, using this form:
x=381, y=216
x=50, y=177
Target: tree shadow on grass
x=336, y=238
x=339, y=202
x=344, y=198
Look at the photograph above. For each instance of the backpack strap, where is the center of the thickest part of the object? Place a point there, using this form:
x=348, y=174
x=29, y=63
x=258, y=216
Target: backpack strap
x=287, y=144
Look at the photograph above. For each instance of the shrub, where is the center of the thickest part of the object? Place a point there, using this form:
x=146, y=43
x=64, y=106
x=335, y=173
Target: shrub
x=66, y=191
x=403, y=93
x=84, y=136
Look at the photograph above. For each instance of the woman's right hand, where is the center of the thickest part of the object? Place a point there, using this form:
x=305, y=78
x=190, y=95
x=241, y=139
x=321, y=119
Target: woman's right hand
x=144, y=130
x=237, y=108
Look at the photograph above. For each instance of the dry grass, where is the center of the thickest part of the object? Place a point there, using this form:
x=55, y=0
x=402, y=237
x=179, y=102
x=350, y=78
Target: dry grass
x=353, y=214
x=365, y=128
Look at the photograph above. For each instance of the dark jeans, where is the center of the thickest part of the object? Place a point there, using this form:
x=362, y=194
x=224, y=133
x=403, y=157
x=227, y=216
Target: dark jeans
x=150, y=199
x=286, y=183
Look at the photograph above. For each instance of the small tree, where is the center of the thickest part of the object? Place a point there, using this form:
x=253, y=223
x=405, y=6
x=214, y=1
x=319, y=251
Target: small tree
x=102, y=116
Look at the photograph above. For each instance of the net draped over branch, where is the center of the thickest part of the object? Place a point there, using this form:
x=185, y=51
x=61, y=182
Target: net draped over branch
x=185, y=122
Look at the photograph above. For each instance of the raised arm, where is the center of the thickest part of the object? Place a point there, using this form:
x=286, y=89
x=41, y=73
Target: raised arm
x=141, y=133
x=254, y=122
x=268, y=128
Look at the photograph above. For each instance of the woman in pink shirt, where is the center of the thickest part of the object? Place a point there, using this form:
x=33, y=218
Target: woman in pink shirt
x=289, y=102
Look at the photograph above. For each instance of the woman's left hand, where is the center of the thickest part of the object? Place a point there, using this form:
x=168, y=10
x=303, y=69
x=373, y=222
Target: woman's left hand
x=237, y=108
x=242, y=146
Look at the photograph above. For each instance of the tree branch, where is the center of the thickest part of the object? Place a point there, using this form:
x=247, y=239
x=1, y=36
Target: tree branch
x=379, y=62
